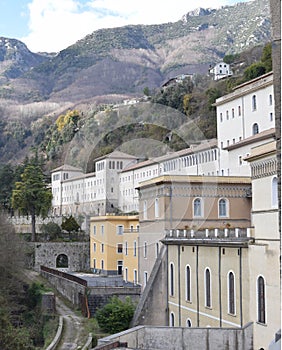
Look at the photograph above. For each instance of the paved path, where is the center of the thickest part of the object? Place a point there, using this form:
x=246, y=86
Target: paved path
x=73, y=337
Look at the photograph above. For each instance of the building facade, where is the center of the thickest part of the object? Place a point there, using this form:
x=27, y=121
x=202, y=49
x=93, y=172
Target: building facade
x=221, y=70
x=188, y=203
x=229, y=277
x=245, y=118
x=241, y=115
x=113, y=246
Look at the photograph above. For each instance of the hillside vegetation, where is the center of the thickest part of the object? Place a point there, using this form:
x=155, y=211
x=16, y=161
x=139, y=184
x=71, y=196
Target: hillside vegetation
x=125, y=60
x=172, y=118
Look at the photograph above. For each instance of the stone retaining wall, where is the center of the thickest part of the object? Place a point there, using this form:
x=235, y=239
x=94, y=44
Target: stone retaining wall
x=46, y=254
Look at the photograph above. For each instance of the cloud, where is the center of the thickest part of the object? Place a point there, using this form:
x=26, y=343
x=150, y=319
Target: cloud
x=56, y=24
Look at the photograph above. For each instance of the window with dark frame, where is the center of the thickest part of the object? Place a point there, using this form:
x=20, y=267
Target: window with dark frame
x=208, y=287
x=261, y=300
x=231, y=289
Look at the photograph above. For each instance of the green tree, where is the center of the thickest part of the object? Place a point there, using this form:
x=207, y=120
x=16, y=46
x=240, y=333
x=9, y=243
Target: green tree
x=146, y=91
x=230, y=58
x=253, y=71
x=51, y=231
x=266, y=57
x=70, y=224
x=31, y=195
x=212, y=94
x=115, y=316
x=7, y=175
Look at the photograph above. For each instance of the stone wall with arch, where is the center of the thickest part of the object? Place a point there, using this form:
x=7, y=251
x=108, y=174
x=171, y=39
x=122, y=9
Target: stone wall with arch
x=75, y=253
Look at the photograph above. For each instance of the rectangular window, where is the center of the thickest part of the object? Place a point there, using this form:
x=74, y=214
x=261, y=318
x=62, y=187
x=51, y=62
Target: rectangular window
x=145, y=210
x=157, y=207
x=135, y=277
x=145, y=278
x=145, y=249
x=135, y=248
x=102, y=229
x=120, y=229
x=94, y=247
x=102, y=247
x=271, y=116
x=119, y=248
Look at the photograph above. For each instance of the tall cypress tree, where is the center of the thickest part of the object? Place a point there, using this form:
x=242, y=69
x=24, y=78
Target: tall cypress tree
x=31, y=195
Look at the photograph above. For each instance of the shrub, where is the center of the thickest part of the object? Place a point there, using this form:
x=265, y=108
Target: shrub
x=115, y=316
x=51, y=230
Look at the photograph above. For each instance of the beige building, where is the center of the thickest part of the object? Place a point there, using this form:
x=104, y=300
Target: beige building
x=190, y=203
x=228, y=277
x=113, y=245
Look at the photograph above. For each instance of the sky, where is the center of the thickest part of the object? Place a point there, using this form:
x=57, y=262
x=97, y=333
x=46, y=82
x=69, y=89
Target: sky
x=53, y=25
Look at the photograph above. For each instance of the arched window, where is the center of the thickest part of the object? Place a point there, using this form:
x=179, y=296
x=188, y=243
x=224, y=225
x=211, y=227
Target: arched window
x=171, y=321
x=231, y=293
x=171, y=279
x=197, y=207
x=254, y=102
x=188, y=322
x=188, y=283
x=222, y=207
x=62, y=261
x=157, y=207
x=207, y=288
x=274, y=192
x=261, y=299
x=255, y=129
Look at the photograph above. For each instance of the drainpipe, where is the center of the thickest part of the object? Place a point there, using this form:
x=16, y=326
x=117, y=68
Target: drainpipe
x=219, y=286
x=179, y=290
x=241, y=287
x=197, y=285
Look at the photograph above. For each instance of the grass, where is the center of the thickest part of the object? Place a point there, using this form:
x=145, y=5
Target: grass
x=50, y=329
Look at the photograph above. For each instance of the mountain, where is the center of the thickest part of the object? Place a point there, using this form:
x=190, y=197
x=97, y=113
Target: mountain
x=127, y=59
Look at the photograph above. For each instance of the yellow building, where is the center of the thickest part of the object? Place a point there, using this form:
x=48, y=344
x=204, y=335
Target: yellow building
x=113, y=245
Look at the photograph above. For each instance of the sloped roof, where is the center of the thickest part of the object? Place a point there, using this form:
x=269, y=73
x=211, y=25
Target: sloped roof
x=264, y=135
x=190, y=150
x=116, y=154
x=66, y=167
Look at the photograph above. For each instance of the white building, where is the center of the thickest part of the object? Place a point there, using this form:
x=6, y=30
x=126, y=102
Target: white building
x=243, y=117
x=221, y=70
x=199, y=159
x=93, y=193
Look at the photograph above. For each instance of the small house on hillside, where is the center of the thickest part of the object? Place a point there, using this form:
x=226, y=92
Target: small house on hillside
x=176, y=80
x=220, y=70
